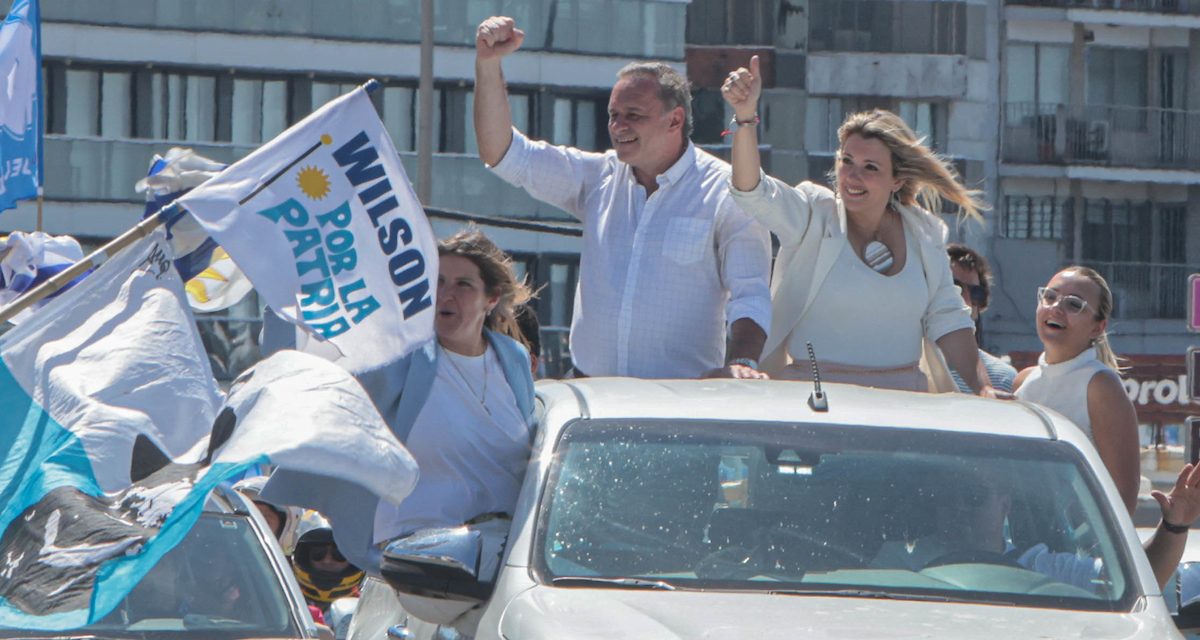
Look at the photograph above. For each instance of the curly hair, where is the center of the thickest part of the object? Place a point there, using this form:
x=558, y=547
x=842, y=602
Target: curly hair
x=927, y=177
x=495, y=267
x=973, y=261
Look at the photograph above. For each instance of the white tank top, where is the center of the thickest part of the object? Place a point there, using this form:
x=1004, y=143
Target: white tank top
x=1063, y=386
x=864, y=318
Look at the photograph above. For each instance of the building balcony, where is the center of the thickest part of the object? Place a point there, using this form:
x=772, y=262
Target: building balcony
x=105, y=170
x=642, y=28
x=1104, y=136
x=1182, y=7
x=1146, y=290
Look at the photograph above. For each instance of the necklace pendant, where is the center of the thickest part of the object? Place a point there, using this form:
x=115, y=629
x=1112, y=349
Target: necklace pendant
x=878, y=256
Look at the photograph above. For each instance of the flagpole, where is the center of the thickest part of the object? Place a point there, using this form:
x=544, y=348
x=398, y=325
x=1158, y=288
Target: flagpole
x=95, y=259
x=39, y=209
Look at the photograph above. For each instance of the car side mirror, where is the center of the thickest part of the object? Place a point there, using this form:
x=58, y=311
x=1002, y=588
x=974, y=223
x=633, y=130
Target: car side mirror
x=1184, y=590
x=438, y=563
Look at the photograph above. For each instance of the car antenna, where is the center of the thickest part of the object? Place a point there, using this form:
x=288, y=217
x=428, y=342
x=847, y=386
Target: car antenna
x=817, y=400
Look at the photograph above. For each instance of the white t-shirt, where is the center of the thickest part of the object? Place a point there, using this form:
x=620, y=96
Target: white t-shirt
x=864, y=318
x=471, y=454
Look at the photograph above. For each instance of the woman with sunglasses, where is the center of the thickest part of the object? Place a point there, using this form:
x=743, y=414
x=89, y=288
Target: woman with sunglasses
x=1077, y=376
x=862, y=272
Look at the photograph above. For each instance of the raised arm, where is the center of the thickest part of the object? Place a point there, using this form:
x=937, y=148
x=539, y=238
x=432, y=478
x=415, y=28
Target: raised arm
x=1179, y=509
x=742, y=90
x=495, y=38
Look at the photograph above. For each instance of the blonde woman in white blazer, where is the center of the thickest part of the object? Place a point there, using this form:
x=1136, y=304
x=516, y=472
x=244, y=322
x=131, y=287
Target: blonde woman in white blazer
x=862, y=271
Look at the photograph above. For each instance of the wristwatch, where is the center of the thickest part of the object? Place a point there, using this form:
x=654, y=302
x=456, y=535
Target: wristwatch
x=745, y=362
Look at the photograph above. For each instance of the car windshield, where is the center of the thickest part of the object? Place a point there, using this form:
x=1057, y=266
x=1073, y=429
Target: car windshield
x=218, y=583
x=830, y=510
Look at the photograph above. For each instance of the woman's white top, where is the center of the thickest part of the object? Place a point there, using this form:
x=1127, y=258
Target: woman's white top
x=843, y=322
x=471, y=458
x=1064, y=386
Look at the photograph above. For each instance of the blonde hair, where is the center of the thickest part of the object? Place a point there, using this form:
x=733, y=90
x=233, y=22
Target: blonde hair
x=495, y=268
x=928, y=177
x=1104, y=351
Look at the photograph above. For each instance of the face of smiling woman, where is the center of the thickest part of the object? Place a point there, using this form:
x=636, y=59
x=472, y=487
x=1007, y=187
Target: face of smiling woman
x=462, y=305
x=865, y=176
x=1065, y=335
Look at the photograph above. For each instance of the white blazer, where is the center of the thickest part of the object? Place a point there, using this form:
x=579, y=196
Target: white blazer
x=810, y=222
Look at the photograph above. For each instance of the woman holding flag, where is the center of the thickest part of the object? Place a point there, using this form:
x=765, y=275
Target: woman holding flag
x=472, y=435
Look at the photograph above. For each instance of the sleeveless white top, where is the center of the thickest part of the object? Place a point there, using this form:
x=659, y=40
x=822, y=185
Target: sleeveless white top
x=1063, y=386
x=864, y=318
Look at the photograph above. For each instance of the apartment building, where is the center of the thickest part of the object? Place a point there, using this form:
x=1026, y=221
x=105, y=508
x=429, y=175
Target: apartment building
x=1100, y=165
x=125, y=80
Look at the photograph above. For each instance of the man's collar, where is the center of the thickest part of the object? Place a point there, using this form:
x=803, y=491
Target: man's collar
x=681, y=166
x=676, y=171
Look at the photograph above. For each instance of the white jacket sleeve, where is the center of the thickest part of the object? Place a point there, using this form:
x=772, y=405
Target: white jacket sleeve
x=780, y=207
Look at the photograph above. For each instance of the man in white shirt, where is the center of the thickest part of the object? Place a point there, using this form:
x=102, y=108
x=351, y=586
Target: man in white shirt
x=669, y=261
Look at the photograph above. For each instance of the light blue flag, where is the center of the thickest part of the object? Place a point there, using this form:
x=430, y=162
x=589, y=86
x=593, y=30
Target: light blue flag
x=113, y=433
x=20, y=104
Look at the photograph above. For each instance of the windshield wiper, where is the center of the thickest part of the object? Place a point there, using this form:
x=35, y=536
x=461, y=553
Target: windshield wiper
x=614, y=583
x=883, y=595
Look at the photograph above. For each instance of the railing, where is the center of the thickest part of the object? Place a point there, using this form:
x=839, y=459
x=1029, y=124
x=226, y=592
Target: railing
x=1143, y=137
x=647, y=28
x=1145, y=6
x=1145, y=291
x=897, y=27
x=233, y=347
x=96, y=169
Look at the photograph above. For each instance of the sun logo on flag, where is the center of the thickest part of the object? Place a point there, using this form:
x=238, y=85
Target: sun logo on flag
x=313, y=182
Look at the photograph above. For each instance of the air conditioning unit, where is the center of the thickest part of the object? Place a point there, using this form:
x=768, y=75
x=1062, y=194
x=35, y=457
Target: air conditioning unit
x=1097, y=138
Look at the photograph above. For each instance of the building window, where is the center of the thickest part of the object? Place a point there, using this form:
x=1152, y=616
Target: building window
x=1139, y=248
x=824, y=115
x=83, y=90
x=1117, y=84
x=1037, y=74
x=578, y=121
x=897, y=27
x=1035, y=217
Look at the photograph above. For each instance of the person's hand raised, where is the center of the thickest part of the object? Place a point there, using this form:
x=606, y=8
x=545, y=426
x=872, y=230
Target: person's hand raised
x=497, y=37
x=1182, y=505
x=742, y=89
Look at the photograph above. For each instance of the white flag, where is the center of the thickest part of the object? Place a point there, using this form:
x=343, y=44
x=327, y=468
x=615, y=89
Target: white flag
x=325, y=224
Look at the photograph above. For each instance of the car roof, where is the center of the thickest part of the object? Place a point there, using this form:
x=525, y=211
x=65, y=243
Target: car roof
x=786, y=401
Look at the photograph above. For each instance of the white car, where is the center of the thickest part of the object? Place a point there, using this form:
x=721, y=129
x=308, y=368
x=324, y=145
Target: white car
x=734, y=509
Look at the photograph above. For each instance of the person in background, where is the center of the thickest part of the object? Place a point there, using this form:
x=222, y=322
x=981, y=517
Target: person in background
x=323, y=572
x=669, y=264
x=973, y=277
x=862, y=272
x=283, y=520
x=970, y=526
x=531, y=330
x=1077, y=375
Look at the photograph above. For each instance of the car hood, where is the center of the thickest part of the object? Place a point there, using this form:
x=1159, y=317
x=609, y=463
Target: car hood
x=545, y=612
